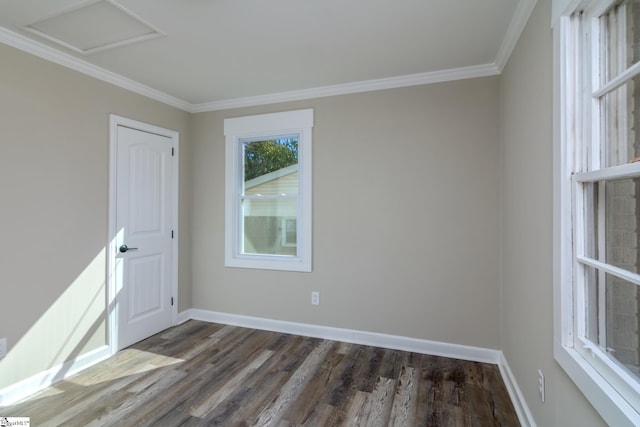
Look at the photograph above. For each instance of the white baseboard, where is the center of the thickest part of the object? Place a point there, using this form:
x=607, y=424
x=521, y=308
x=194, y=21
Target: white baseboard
x=435, y=348
x=18, y=391
x=475, y=354
x=42, y=380
x=522, y=410
x=183, y=316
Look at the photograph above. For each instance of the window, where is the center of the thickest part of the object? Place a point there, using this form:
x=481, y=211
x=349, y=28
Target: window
x=268, y=191
x=597, y=327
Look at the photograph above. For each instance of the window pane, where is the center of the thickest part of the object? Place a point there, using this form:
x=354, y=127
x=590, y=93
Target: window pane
x=621, y=48
x=612, y=317
x=622, y=214
x=271, y=166
x=592, y=292
x=265, y=226
x=622, y=323
x=591, y=221
x=612, y=232
x=620, y=124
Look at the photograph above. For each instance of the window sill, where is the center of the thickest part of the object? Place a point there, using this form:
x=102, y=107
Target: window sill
x=604, y=398
x=269, y=263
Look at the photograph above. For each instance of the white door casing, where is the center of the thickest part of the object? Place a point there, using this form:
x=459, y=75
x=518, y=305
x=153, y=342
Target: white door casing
x=143, y=216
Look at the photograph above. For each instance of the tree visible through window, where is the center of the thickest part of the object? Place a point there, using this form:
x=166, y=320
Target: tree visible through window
x=270, y=196
x=262, y=157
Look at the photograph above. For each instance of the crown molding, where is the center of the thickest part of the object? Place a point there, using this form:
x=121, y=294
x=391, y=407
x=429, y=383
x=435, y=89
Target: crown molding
x=516, y=26
x=349, y=88
x=43, y=51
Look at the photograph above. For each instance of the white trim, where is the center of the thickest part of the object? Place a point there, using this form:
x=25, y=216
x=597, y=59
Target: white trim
x=18, y=391
x=349, y=88
x=629, y=170
x=435, y=348
x=561, y=8
x=599, y=7
x=516, y=26
x=114, y=122
x=627, y=275
x=268, y=125
x=519, y=403
x=618, y=80
x=69, y=61
x=606, y=400
x=49, y=53
x=184, y=316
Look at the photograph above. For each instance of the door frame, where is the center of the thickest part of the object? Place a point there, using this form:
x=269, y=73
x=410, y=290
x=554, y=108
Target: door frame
x=112, y=308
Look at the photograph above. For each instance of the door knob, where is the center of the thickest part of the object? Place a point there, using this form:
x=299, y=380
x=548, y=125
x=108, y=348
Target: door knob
x=125, y=248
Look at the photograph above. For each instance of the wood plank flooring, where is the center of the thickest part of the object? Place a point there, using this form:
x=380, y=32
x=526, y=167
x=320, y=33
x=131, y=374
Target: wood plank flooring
x=204, y=374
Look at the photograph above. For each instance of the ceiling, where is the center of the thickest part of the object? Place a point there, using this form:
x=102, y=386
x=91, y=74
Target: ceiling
x=211, y=54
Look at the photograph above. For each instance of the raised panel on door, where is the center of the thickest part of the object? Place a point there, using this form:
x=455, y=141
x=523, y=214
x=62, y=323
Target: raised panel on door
x=145, y=287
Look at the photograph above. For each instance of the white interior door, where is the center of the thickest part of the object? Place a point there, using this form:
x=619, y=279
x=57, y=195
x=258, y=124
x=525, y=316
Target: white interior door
x=143, y=242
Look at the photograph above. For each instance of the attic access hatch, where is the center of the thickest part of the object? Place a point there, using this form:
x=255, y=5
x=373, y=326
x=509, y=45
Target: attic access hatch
x=94, y=26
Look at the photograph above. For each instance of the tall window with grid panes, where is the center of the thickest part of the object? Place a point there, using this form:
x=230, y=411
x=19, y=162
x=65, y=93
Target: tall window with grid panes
x=601, y=137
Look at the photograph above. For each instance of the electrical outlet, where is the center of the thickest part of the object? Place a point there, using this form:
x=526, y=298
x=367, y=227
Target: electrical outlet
x=3, y=347
x=541, y=384
x=315, y=298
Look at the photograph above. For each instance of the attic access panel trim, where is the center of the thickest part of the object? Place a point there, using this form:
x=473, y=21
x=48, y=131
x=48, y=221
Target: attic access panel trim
x=94, y=26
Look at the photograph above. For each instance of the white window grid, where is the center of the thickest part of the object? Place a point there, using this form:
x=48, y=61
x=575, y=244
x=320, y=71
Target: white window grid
x=590, y=168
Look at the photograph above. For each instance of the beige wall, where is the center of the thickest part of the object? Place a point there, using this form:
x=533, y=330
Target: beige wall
x=54, y=153
x=526, y=193
x=405, y=217
x=419, y=215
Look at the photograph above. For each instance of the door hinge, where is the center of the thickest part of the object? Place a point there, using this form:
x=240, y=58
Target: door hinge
x=171, y=300
x=173, y=151
x=172, y=234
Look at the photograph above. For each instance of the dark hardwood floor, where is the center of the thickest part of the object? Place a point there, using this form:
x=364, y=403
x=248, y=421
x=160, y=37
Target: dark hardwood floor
x=201, y=373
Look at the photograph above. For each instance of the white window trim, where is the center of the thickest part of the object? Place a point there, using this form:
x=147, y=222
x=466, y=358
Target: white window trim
x=607, y=401
x=268, y=125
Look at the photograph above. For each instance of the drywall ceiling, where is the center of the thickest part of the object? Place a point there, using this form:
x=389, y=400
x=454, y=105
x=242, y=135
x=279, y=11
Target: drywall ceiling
x=212, y=52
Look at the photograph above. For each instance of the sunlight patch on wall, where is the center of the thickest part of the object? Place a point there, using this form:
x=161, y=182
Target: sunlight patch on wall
x=74, y=324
